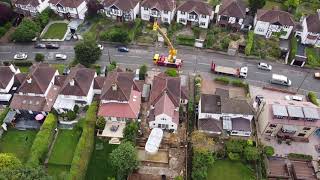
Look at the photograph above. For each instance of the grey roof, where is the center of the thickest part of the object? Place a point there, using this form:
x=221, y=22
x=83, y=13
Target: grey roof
x=236, y=106
x=210, y=103
x=224, y=93
x=210, y=124
x=295, y=111
x=10, y=117
x=279, y=110
x=311, y=113
x=241, y=124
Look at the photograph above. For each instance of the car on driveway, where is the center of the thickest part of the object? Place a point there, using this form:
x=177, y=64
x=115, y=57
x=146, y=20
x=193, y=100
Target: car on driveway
x=20, y=56
x=100, y=47
x=39, y=46
x=52, y=46
x=317, y=75
x=61, y=57
x=123, y=49
x=264, y=66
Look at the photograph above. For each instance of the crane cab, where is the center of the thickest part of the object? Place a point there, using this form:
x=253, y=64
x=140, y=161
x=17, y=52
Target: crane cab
x=156, y=58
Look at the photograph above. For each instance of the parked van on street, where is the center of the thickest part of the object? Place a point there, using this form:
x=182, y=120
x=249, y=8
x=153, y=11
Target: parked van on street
x=280, y=79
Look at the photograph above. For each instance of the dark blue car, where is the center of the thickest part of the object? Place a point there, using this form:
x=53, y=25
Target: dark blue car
x=123, y=49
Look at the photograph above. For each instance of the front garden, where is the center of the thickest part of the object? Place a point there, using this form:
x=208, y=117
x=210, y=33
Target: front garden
x=56, y=31
x=313, y=56
x=264, y=48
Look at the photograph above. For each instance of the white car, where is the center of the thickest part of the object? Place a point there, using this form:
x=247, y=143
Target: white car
x=20, y=56
x=265, y=66
x=61, y=57
x=100, y=47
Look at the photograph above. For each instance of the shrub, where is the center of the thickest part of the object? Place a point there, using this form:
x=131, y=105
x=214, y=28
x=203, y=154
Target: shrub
x=85, y=145
x=235, y=146
x=223, y=80
x=4, y=114
x=249, y=44
x=185, y=40
x=225, y=43
x=71, y=115
x=313, y=98
x=39, y=57
x=76, y=109
x=171, y=72
x=42, y=141
x=143, y=71
x=201, y=161
x=101, y=123
x=42, y=19
x=22, y=63
x=5, y=28
x=251, y=153
x=299, y=156
x=26, y=31
x=313, y=57
x=293, y=47
x=234, y=156
x=238, y=83
x=130, y=132
x=136, y=30
x=115, y=35
x=268, y=150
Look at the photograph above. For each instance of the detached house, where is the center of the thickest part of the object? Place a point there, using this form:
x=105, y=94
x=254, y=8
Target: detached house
x=122, y=10
x=232, y=13
x=270, y=22
x=311, y=30
x=165, y=100
x=37, y=92
x=30, y=7
x=8, y=83
x=76, y=88
x=195, y=12
x=69, y=8
x=158, y=10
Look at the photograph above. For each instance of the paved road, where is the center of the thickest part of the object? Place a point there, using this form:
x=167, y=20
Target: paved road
x=194, y=61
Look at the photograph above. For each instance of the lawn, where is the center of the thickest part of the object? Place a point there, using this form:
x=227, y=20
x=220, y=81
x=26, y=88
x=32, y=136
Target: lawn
x=59, y=67
x=24, y=69
x=99, y=166
x=17, y=142
x=56, y=31
x=226, y=169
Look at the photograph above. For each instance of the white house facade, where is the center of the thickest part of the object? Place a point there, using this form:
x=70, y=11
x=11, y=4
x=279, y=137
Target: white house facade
x=7, y=79
x=122, y=10
x=311, y=30
x=30, y=7
x=69, y=8
x=158, y=10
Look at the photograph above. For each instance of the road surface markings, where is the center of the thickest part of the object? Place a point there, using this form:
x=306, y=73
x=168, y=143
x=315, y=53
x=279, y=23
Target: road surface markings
x=6, y=52
x=129, y=64
x=206, y=64
x=135, y=56
x=117, y=55
x=263, y=73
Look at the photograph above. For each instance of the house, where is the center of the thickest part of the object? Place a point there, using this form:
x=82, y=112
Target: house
x=165, y=99
x=232, y=13
x=69, y=8
x=37, y=93
x=218, y=112
x=310, y=33
x=120, y=101
x=273, y=22
x=76, y=89
x=8, y=83
x=294, y=120
x=30, y=7
x=194, y=12
x=158, y=10
x=122, y=10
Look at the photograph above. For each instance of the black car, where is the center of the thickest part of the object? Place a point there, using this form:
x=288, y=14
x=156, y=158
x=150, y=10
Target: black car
x=123, y=49
x=39, y=46
x=52, y=46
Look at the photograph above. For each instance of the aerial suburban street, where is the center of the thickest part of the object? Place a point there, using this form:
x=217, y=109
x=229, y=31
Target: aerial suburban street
x=194, y=61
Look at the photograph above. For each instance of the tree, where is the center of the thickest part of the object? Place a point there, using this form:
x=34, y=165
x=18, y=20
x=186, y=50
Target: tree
x=39, y=57
x=200, y=141
x=130, y=132
x=112, y=66
x=201, y=161
x=25, y=173
x=249, y=44
x=93, y=7
x=256, y=4
x=235, y=146
x=171, y=72
x=6, y=13
x=234, y=156
x=42, y=19
x=26, y=31
x=87, y=52
x=291, y=5
x=71, y=115
x=143, y=72
x=124, y=159
x=101, y=123
x=268, y=150
x=9, y=161
x=115, y=35
x=251, y=153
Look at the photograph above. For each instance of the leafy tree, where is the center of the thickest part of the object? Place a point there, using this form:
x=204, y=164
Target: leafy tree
x=39, y=57
x=116, y=35
x=171, y=72
x=71, y=115
x=26, y=31
x=225, y=42
x=130, y=132
x=6, y=13
x=291, y=4
x=76, y=109
x=112, y=66
x=42, y=19
x=256, y=4
x=235, y=146
x=234, y=156
x=124, y=159
x=251, y=153
x=201, y=161
x=87, y=52
x=9, y=161
x=101, y=122
x=200, y=141
x=25, y=173
x=143, y=72
x=268, y=150
x=93, y=7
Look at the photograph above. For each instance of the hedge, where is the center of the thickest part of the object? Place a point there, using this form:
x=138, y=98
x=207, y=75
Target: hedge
x=185, y=40
x=42, y=141
x=293, y=47
x=4, y=114
x=85, y=146
x=313, y=98
x=223, y=80
x=300, y=156
x=249, y=44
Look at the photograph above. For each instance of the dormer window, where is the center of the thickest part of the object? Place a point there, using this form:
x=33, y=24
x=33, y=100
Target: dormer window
x=29, y=80
x=114, y=87
x=72, y=82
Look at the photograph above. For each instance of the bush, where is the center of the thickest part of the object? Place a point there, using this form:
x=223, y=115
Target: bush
x=293, y=47
x=300, y=156
x=71, y=115
x=42, y=19
x=22, y=63
x=251, y=153
x=101, y=123
x=85, y=146
x=39, y=57
x=5, y=28
x=143, y=72
x=234, y=156
x=185, y=40
x=249, y=44
x=136, y=30
x=313, y=98
x=268, y=150
x=130, y=132
x=4, y=114
x=115, y=35
x=235, y=146
x=223, y=80
x=26, y=31
x=171, y=72
x=225, y=43
x=201, y=161
x=238, y=83
x=44, y=137
x=76, y=109
x=313, y=58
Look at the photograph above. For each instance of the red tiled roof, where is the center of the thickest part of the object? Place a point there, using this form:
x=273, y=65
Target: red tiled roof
x=313, y=23
x=123, y=5
x=98, y=82
x=24, y=102
x=161, y=5
x=34, y=3
x=197, y=6
x=19, y=78
x=166, y=106
x=233, y=8
x=275, y=16
x=5, y=76
x=138, y=85
x=67, y=3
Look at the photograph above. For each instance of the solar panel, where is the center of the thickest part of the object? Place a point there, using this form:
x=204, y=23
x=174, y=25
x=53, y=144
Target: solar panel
x=279, y=110
x=311, y=113
x=295, y=111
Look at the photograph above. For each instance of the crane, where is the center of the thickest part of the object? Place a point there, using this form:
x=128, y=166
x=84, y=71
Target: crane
x=171, y=59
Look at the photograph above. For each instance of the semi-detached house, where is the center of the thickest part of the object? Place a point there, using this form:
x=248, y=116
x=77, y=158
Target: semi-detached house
x=30, y=7
x=69, y=8
x=311, y=30
x=158, y=10
x=9, y=82
x=194, y=12
x=122, y=10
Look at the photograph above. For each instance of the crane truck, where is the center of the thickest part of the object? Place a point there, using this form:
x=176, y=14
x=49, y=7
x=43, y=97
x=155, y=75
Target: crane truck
x=241, y=72
x=170, y=60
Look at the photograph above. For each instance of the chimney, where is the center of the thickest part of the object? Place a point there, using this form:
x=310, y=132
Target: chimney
x=29, y=80
x=72, y=82
x=114, y=87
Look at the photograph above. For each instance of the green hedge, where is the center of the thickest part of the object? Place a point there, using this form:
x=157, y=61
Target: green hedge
x=293, y=47
x=185, y=40
x=313, y=98
x=42, y=141
x=249, y=44
x=223, y=80
x=313, y=57
x=4, y=114
x=85, y=146
x=299, y=156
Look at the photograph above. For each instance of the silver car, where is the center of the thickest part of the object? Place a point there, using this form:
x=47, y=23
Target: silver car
x=20, y=56
x=61, y=57
x=264, y=66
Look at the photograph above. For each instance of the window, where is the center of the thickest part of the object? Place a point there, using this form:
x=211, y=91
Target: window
x=165, y=19
x=301, y=134
x=165, y=12
x=171, y=125
x=145, y=8
x=306, y=128
x=272, y=125
x=159, y=125
x=202, y=24
x=203, y=16
x=268, y=132
x=183, y=13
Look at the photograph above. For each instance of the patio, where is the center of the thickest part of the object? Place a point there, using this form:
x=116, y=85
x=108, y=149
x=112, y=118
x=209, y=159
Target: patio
x=162, y=156
x=113, y=130
x=26, y=121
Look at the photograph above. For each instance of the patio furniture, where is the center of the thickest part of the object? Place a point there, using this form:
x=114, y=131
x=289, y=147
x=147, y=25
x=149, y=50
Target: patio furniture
x=114, y=128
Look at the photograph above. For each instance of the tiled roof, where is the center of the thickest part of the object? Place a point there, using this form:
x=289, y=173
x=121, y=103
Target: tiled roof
x=67, y=3
x=24, y=102
x=98, y=82
x=233, y=8
x=275, y=16
x=19, y=78
x=313, y=23
x=197, y=6
x=6, y=75
x=241, y=124
x=210, y=124
x=166, y=106
x=34, y=3
x=123, y=5
x=161, y=5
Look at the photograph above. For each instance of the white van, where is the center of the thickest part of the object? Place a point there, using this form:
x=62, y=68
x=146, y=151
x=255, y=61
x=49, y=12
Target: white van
x=280, y=79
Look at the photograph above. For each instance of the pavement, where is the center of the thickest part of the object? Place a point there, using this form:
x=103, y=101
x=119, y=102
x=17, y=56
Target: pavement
x=195, y=61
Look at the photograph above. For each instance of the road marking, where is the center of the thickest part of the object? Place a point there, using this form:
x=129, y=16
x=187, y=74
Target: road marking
x=135, y=56
x=116, y=54
x=129, y=64
x=206, y=64
x=187, y=62
x=261, y=73
x=6, y=52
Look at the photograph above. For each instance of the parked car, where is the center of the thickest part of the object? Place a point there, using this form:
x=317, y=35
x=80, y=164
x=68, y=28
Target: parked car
x=52, y=46
x=20, y=56
x=317, y=75
x=61, y=57
x=123, y=49
x=295, y=98
x=100, y=47
x=264, y=66
x=39, y=46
